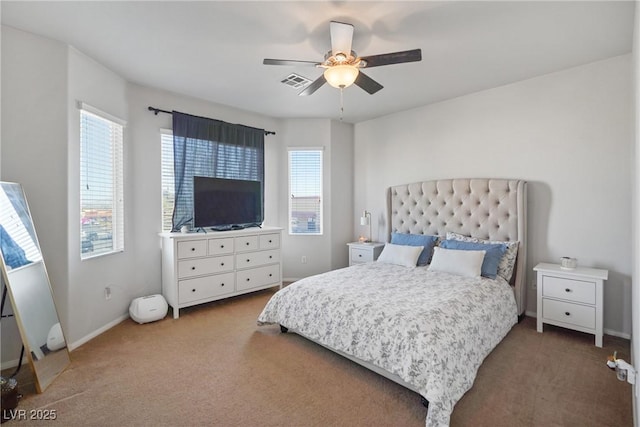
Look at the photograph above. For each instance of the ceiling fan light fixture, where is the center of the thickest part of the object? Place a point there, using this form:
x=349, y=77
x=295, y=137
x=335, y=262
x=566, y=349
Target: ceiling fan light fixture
x=341, y=76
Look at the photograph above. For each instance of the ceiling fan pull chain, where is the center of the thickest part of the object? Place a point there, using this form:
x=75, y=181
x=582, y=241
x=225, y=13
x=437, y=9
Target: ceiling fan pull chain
x=341, y=103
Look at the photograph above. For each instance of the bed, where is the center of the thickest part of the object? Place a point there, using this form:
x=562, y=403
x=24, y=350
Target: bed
x=426, y=327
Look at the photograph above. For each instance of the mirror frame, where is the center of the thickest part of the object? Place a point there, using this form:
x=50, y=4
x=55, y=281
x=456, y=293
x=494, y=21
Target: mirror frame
x=44, y=375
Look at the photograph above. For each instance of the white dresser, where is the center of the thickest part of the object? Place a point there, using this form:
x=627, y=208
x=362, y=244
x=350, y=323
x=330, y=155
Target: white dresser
x=571, y=298
x=203, y=267
x=364, y=252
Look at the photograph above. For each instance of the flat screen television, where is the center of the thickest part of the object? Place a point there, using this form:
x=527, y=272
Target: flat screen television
x=223, y=204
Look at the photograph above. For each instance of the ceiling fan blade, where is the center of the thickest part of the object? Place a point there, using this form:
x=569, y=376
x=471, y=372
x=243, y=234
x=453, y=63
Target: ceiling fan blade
x=313, y=86
x=341, y=37
x=393, y=58
x=367, y=83
x=291, y=62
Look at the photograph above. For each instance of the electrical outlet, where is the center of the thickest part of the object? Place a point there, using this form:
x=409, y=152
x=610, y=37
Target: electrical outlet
x=107, y=292
x=534, y=284
x=303, y=260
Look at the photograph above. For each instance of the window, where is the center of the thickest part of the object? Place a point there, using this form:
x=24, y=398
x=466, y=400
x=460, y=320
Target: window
x=305, y=191
x=242, y=159
x=101, y=183
x=168, y=182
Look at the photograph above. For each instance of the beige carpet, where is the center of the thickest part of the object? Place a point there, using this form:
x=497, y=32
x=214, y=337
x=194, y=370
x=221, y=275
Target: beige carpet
x=213, y=366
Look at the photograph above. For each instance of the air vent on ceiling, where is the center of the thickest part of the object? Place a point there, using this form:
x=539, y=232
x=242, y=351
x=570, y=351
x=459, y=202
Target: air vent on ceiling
x=296, y=81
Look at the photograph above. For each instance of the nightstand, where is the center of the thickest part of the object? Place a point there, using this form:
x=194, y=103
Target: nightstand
x=364, y=252
x=571, y=298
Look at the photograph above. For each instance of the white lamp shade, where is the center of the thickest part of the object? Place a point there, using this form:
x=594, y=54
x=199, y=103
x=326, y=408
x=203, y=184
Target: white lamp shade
x=341, y=76
x=364, y=220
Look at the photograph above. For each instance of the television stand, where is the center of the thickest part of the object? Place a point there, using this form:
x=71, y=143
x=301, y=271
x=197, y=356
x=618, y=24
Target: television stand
x=199, y=268
x=234, y=227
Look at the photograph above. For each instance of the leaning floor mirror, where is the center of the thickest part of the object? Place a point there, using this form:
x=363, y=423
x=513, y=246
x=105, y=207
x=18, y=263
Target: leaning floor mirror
x=25, y=276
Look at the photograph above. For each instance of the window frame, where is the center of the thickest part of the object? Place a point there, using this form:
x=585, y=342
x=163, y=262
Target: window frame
x=116, y=152
x=320, y=225
x=166, y=133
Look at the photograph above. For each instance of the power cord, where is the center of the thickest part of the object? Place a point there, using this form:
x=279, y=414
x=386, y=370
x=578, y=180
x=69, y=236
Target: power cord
x=2, y=315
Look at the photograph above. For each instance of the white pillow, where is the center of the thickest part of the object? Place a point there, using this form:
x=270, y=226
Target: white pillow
x=508, y=260
x=460, y=262
x=400, y=254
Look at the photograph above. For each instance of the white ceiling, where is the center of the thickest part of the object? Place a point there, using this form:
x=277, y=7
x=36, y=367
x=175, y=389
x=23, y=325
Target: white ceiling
x=214, y=50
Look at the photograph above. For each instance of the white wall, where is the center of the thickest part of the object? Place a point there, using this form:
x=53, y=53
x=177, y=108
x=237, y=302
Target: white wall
x=341, y=202
x=146, y=198
x=34, y=152
x=567, y=133
x=635, y=340
x=316, y=248
x=88, y=310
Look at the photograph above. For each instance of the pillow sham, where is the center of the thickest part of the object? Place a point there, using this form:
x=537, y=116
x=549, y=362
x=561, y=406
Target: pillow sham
x=400, y=254
x=508, y=261
x=462, y=263
x=492, y=257
x=425, y=240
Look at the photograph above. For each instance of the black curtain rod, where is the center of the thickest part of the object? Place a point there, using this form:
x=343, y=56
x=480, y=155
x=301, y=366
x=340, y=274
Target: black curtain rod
x=157, y=110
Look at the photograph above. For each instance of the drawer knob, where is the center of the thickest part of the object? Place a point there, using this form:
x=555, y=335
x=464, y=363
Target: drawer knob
x=360, y=255
x=247, y=243
x=270, y=275
x=193, y=268
x=221, y=284
x=269, y=241
x=248, y=279
x=222, y=263
x=193, y=290
x=567, y=290
x=248, y=260
x=270, y=256
x=566, y=313
x=193, y=249
x=221, y=246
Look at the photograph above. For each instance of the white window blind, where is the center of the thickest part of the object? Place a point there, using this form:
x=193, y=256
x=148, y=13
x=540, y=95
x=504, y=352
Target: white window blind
x=168, y=182
x=101, y=183
x=305, y=191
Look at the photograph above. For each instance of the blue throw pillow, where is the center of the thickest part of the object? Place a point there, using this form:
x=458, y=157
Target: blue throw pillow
x=416, y=240
x=492, y=257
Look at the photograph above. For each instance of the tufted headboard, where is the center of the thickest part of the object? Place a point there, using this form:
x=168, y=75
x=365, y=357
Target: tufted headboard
x=494, y=209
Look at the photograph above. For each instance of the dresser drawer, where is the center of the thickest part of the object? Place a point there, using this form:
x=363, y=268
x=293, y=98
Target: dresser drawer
x=192, y=249
x=255, y=277
x=361, y=255
x=269, y=241
x=569, y=289
x=221, y=246
x=574, y=314
x=205, y=287
x=246, y=243
x=255, y=259
x=202, y=266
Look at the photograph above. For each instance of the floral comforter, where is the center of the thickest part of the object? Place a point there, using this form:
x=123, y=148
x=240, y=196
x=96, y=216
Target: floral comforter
x=432, y=329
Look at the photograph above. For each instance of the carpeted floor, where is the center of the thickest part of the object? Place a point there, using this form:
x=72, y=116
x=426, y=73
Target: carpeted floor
x=213, y=366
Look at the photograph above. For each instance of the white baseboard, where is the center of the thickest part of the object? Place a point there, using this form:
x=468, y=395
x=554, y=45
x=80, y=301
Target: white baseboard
x=617, y=334
x=606, y=331
x=13, y=363
x=97, y=332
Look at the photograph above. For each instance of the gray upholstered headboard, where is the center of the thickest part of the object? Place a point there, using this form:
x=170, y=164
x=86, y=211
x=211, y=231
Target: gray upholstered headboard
x=493, y=209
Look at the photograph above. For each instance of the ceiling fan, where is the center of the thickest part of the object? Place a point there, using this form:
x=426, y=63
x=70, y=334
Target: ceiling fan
x=343, y=67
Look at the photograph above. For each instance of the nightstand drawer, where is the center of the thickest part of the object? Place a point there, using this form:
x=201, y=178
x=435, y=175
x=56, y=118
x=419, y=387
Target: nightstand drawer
x=569, y=289
x=573, y=314
x=361, y=255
